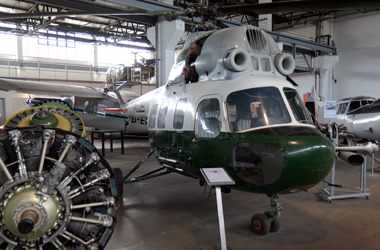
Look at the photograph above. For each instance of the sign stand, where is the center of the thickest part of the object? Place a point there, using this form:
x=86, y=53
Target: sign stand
x=218, y=177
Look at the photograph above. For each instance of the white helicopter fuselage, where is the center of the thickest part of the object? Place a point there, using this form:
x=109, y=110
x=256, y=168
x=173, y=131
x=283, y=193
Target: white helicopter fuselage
x=227, y=104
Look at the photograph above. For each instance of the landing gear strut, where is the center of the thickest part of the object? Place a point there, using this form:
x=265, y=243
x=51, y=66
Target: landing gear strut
x=261, y=224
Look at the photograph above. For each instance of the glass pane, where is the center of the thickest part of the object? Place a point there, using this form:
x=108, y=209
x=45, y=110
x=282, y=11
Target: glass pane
x=366, y=102
x=265, y=64
x=153, y=116
x=299, y=110
x=207, y=121
x=179, y=114
x=354, y=105
x=162, y=115
x=256, y=107
x=342, y=108
x=255, y=63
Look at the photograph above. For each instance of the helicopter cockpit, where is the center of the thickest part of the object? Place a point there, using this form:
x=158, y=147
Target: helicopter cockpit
x=250, y=109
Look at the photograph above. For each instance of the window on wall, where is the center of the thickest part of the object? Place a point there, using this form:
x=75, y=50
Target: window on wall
x=179, y=114
x=207, y=119
x=162, y=115
x=114, y=54
x=50, y=46
x=10, y=43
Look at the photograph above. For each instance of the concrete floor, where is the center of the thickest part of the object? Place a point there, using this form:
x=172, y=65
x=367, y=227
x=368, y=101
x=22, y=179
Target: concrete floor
x=170, y=212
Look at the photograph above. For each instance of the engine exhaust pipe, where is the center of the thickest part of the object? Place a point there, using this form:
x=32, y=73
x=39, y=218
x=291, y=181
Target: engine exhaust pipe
x=366, y=149
x=351, y=158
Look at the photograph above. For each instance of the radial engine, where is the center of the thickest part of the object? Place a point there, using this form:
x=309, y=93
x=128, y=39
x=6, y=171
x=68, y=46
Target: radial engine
x=56, y=191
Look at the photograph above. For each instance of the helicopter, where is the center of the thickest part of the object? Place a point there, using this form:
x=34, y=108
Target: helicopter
x=227, y=104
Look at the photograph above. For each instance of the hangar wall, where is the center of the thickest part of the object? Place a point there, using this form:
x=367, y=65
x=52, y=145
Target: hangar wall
x=358, y=43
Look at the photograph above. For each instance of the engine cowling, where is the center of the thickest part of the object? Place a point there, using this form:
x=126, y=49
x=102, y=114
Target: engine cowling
x=285, y=64
x=236, y=60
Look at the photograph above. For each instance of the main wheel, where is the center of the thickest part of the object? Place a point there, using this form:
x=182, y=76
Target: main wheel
x=274, y=224
x=260, y=224
x=56, y=191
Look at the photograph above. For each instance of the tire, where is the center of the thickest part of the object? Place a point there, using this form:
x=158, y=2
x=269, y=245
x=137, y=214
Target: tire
x=260, y=224
x=275, y=224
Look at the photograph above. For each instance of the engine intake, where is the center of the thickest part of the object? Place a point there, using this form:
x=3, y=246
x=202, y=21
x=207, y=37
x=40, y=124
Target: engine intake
x=284, y=63
x=236, y=60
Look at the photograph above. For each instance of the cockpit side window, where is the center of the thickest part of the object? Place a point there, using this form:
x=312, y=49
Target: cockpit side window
x=152, y=116
x=256, y=107
x=162, y=115
x=366, y=102
x=354, y=105
x=299, y=110
x=342, y=108
x=207, y=119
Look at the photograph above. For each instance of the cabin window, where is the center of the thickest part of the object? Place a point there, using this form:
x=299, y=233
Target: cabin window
x=255, y=63
x=366, y=102
x=252, y=108
x=265, y=64
x=342, y=108
x=299, y=110
x=162, y=115
x=354, y=105
x=152, y=116
x=207, y=119
x=179, y=114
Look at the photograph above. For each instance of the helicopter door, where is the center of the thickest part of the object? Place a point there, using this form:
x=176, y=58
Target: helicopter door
x=207, y=132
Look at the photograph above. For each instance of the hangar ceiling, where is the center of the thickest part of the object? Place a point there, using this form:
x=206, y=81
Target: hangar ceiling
x=121, y=21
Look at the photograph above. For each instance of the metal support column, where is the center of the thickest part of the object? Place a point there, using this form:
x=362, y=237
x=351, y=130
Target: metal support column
x=222, y=231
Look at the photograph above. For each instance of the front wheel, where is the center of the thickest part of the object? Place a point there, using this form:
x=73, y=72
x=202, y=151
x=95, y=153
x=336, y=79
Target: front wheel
x=274, y=224
x=260, y=224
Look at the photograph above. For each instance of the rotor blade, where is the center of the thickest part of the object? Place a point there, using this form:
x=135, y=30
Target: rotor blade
x=303, y=6
x=99, y=13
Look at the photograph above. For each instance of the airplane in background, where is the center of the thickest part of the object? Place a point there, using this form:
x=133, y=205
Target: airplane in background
x=360, y=117
x=227, y=104
x=98, y=107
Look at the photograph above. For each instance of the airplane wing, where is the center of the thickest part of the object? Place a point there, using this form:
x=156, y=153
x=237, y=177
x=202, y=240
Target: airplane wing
x=39, y=88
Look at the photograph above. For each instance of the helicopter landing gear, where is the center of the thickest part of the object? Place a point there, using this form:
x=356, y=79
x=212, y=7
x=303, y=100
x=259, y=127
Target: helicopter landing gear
x=261, y=224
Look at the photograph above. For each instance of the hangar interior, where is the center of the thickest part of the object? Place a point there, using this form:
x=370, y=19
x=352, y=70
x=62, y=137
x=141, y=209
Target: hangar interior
x=336, y=52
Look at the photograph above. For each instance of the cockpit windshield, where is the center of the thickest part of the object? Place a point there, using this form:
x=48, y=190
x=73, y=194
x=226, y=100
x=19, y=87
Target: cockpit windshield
x=256, y=107
x=299, y=110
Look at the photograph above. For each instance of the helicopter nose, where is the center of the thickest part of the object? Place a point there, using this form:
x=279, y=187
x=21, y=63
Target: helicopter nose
x=287, y=159
x=310, y=157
